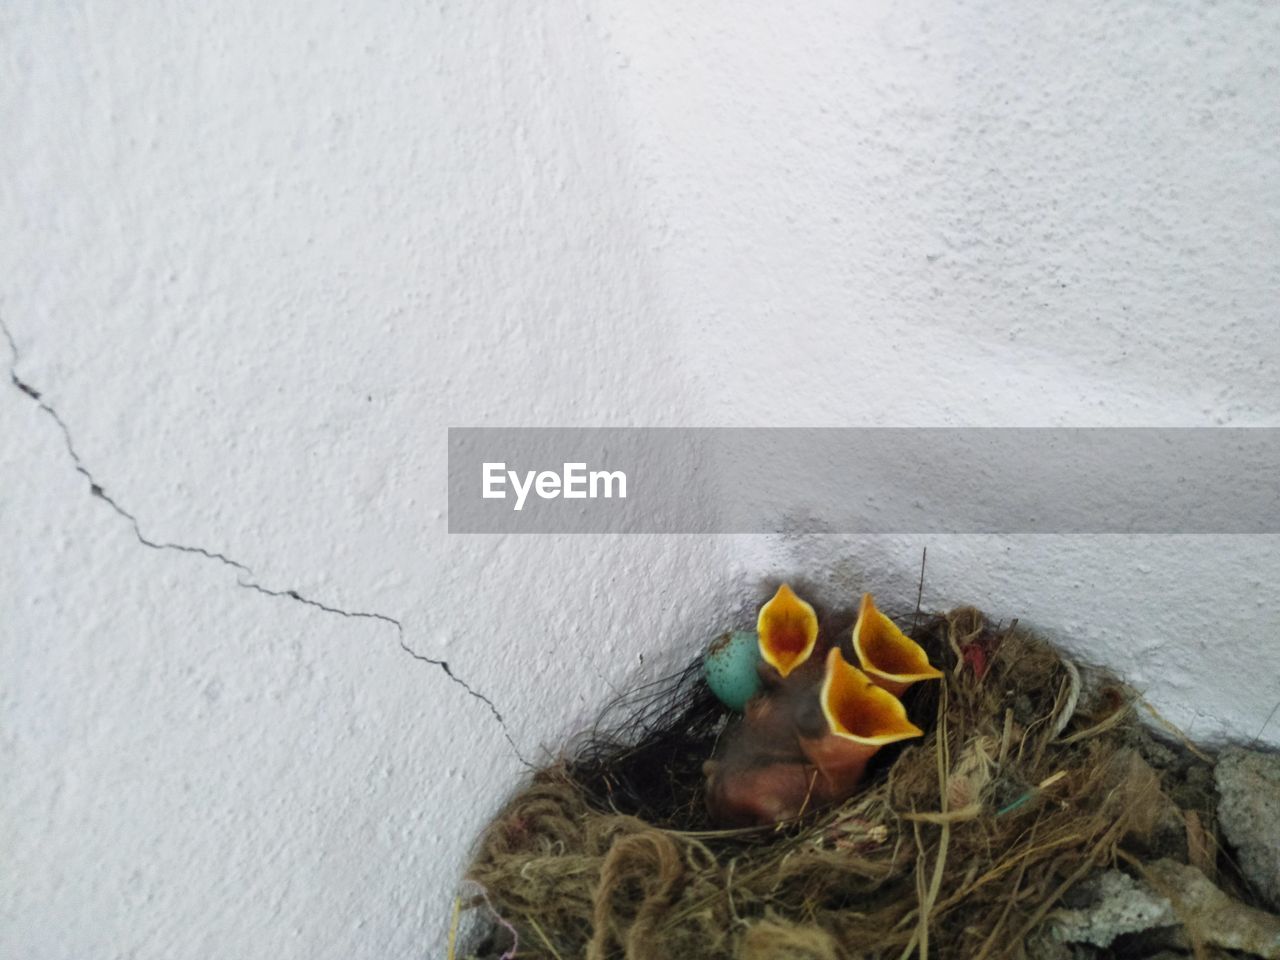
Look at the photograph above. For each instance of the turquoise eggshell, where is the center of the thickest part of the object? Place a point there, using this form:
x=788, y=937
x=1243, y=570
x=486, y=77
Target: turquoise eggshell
x=730, y=668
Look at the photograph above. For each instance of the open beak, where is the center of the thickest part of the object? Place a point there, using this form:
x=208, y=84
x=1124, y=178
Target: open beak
x=891, y=658
x=860, y=711
x=788, y=629
x=861, y=718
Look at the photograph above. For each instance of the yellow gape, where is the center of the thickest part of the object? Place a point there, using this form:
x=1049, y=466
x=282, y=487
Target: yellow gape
x=861, y=718
x=891, y=659
x=788, y=629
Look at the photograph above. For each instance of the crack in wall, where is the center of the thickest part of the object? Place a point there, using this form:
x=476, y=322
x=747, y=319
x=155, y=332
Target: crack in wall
x=243, y=571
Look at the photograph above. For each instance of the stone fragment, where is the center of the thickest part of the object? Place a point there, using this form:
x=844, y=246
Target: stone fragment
x=1249, y=812
x=1211, y=916
x=1116, y=905
x=1112, y=904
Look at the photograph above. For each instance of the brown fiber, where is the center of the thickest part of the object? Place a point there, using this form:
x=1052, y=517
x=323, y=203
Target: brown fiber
x=1029, y=776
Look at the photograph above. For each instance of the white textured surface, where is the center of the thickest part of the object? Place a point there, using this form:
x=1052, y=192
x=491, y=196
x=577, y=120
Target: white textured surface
x=258, y=257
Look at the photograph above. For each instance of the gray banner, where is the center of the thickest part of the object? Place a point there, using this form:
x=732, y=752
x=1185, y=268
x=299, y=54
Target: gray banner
x=864, y=480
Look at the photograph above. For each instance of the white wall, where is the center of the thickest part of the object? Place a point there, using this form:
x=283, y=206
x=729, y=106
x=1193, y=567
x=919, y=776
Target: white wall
x=989, y=214
x=260, y=256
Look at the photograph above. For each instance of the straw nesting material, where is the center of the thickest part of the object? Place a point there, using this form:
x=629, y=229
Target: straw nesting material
x=1029, y=779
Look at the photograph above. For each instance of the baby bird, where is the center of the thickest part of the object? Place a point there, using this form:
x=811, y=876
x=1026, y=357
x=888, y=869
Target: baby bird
x=806, y=737
x=891, y=659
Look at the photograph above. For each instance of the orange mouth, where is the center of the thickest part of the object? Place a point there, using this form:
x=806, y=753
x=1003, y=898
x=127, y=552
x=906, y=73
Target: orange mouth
x=788, y=630
x=858, y=710
x=891, y=659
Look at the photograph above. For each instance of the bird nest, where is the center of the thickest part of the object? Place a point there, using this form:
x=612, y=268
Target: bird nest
x=1029, y=777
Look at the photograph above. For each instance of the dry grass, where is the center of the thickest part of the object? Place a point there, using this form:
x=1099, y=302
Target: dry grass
x=1027, y=779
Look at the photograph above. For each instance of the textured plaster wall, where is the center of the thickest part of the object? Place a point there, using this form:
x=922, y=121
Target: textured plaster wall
x=257, y=258
x=989, y=214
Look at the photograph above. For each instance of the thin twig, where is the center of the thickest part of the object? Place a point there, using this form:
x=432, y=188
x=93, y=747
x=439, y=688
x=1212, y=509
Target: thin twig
x=1182, y=737
x=1068, y=708
x=924, y=553
x=538, y=930
x=453, y=926
x=1265, y=724
x=1008, y=905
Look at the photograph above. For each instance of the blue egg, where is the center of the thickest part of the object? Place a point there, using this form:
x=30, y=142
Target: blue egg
x=730, y=668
